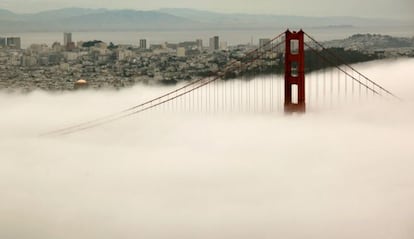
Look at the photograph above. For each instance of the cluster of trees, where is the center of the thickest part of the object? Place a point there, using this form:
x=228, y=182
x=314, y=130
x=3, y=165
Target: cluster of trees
x=331, y=57
x=91, y=43
x=314, y=60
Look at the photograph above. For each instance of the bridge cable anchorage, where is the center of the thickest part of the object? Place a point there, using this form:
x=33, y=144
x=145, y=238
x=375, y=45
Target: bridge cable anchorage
x=338, y=58
x=168, y=97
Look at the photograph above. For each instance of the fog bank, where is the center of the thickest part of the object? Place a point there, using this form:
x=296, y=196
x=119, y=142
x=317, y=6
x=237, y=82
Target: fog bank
x=343, y=172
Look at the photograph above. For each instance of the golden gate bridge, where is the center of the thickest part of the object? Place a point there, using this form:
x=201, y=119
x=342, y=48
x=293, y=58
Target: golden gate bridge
x=300, y=88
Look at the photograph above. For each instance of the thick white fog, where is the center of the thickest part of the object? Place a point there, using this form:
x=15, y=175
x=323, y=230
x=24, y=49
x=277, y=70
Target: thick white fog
x=345, y=172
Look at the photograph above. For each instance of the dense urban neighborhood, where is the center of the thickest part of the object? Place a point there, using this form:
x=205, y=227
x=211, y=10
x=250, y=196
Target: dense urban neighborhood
x=97, y=64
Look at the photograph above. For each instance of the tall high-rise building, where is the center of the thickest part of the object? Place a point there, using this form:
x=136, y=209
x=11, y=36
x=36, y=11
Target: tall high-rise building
x=264, y=44
x=223, y=45
x=67, y=38
x=14, y=42
x=143, y=43
x=199, y=44
x=2, y=42
x=214, y=43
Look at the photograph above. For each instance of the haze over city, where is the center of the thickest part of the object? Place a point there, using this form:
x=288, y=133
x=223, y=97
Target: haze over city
x=400, y=9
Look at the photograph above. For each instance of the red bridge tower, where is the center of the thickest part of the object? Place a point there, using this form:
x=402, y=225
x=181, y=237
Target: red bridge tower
x=295, y=72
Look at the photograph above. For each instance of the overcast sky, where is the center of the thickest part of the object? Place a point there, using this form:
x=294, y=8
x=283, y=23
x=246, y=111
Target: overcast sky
x=362, y=8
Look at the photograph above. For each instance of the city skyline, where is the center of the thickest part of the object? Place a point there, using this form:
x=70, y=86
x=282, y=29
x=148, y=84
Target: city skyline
x=401, y=9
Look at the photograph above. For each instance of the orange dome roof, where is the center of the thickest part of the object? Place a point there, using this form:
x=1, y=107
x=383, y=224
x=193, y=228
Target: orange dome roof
x=81, y=81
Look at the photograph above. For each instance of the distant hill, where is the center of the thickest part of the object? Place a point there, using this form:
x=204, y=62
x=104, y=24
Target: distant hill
x=6, y=15
x=78, y=19
x=128, y=20
x=83, y=19
x=63, y=13
x=4, y=12
x=269, y=21
x=371, y=42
